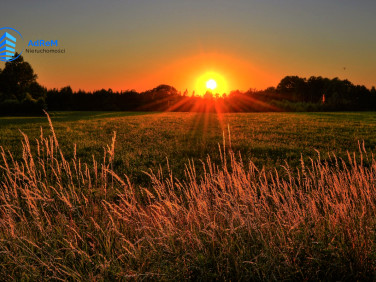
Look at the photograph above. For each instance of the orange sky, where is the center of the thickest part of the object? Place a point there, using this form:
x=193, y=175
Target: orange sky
x=184, y=73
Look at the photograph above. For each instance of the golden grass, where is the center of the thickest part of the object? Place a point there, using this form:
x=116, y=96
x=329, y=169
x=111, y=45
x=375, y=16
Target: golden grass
x=62, y=219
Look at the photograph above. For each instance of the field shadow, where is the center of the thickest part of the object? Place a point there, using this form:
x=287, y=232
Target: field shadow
x=69, y=116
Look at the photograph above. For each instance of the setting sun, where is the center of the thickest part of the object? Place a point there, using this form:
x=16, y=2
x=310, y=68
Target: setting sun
x=211, y=81
x=211, y=84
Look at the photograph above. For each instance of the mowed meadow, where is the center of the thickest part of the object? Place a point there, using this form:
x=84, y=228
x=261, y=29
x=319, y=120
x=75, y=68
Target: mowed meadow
x=168, y=196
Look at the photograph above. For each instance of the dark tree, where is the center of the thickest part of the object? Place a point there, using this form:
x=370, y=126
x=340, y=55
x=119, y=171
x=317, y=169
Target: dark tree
x=67, y=90
x=317, y=88
x=19, y=90
x=294, y=87
x=16, y=78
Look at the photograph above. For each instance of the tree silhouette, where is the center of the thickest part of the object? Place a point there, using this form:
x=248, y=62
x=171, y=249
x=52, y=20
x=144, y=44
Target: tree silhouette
x=19, y=90
x=16, y=78
x=20, y=93
x=294, y=86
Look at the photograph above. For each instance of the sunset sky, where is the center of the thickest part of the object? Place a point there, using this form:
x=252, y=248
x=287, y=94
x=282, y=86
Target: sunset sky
x=249, y=44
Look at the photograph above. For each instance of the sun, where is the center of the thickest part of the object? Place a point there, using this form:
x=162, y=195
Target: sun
x=211, y=84
x=212, y=81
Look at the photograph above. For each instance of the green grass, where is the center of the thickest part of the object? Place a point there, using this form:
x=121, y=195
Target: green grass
x=146, y=140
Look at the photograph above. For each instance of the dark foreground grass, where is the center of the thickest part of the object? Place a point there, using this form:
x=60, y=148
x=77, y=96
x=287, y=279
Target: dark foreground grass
x=146, y=140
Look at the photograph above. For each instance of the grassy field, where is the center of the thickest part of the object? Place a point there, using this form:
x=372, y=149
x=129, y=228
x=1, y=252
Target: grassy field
x=258, y=209
x=146, y=140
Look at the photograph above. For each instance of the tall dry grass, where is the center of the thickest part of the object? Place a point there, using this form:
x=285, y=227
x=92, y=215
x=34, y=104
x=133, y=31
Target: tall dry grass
x=62, y=219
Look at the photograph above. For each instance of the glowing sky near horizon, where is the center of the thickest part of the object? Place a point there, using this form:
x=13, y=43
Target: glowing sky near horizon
x=252, y=44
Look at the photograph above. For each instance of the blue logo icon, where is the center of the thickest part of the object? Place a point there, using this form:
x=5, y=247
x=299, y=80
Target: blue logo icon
x=8, y=43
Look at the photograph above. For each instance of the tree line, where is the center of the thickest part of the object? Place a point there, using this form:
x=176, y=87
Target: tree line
x=20, y=93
